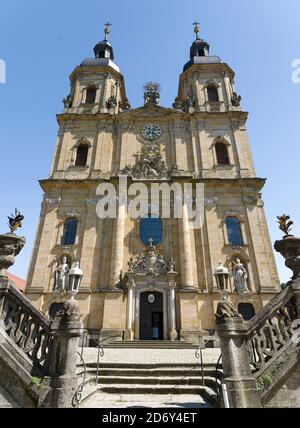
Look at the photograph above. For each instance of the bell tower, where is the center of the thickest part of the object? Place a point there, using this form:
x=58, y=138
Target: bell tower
x=97, y=85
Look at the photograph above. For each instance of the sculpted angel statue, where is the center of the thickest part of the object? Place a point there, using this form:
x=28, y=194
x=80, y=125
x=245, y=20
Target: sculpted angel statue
x=240, y=276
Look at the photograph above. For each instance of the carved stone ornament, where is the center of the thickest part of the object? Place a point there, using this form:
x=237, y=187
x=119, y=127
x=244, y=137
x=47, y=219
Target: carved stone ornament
x=236, y=99
x=150, y=164
x=232, y=212
x=72, y=213
x=178, y=104
x=92, y=201
x=125, y=105
x=150, y=262
x=111, y=102
x=10, y=246
x=250, y=200
x=226, y=310
x=70, y=313
x=151, y=93
x=53, y=202
x=289, y=248
x=67, y=101
x=211, y=201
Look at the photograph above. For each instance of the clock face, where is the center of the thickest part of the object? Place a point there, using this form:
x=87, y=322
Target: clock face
x=151, y=132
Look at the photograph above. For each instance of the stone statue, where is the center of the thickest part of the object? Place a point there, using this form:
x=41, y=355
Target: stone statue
x=67, y=101
x=285, y=224
x=151, y=93
x=240, y=276
x=62, y=276
x=15, y=221
x=236, y=99
x=171, y=265
x=226, y=310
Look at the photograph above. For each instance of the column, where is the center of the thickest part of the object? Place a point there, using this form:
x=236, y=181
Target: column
x=240, y=383
x=66, y=331
x=118, y=245
x=186, y=270
x=172, y=310
x=129, y=334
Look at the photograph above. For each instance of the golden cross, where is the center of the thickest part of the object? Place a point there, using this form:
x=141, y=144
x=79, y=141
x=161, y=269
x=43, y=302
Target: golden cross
x=196, y=25
x=106, y=30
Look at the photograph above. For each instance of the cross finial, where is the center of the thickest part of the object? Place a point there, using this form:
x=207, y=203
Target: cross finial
x=106, y=30
x=196, y=25
x=151, y=241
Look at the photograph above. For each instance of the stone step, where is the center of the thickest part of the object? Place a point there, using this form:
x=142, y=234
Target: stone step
x=130, y=388
x=151, y=344
x=160, y=372
x=102, y=400
x=148, y=366
x=156, y=380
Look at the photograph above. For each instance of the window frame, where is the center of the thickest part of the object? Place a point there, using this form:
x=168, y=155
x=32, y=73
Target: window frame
x=68, y=219
x=139, y=230
x=87, y=89
x=242, y=244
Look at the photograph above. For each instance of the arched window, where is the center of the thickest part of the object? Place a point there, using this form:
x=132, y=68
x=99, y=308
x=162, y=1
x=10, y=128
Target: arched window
x=234, y=231
x=81, y=155
x=90, y=95
x=222, y=154
x=151, y=228
x=212, y=94
x=246, y=310
x=70, y=230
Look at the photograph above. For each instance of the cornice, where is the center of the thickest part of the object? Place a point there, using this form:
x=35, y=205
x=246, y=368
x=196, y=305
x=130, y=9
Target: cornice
x=255, y=183
x=140, y=114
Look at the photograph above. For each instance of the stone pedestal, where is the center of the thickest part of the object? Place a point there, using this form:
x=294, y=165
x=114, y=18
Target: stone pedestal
x=241, y=384
x=66, y=329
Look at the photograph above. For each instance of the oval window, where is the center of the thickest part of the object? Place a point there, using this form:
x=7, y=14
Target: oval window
x=151, y=230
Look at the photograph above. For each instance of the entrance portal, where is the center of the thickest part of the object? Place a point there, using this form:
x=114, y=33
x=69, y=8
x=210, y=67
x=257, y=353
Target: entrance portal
x=151, y=316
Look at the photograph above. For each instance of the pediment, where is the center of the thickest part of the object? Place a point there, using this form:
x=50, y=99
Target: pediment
x=152, y=111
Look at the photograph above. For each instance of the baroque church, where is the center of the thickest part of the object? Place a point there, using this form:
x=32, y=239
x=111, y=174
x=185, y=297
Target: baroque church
x=152, y=277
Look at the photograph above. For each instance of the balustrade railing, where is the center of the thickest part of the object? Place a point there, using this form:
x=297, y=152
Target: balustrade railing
x=273, y=329
x=26, y=326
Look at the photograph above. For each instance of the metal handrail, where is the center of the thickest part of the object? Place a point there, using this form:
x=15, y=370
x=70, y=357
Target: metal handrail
x=76, y=400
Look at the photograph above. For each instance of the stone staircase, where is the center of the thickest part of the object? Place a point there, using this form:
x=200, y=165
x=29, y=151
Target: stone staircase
x=151, y=344
x=160, y=382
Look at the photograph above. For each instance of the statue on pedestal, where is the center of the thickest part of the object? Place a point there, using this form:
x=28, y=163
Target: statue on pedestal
x=240, y=276
x=62, y=276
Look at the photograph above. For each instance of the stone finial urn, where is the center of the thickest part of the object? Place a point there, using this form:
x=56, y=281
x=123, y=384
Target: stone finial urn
x=289, y=248
x=10, y=246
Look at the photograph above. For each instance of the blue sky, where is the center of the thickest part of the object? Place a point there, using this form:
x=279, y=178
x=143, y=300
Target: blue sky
x=42, y=41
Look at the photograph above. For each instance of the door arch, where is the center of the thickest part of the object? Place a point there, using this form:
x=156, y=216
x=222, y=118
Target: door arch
x=151, y=315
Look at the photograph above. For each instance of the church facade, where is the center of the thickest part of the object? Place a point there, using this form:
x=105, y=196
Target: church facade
x=152, y=277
